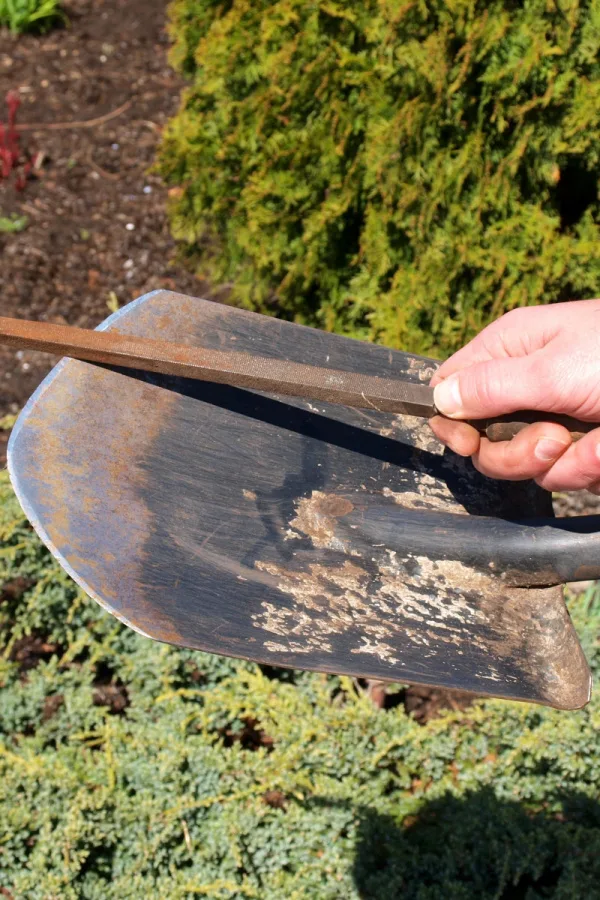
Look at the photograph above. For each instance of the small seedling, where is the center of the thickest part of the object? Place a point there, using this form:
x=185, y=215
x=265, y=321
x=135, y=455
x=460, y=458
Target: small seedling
x=113, y=302
x=13, y=224
x=7, y=422
x=10, y=150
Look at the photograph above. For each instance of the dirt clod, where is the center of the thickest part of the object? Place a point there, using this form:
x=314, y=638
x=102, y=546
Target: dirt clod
x=275, y=799
x=15, y=588
x=114, y=695
x=425, y=703
x=51, y=706
x=31, y=650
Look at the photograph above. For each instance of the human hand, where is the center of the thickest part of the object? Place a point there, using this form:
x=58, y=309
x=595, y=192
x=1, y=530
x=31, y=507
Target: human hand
x=544, y=358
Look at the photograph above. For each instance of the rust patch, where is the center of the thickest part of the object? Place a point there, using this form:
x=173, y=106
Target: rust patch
x=96, y=486
x=416, y=431
x=421, y=435
x=331, y=505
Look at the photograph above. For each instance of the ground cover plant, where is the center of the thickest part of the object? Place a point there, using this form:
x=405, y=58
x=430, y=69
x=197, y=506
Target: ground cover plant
x=400, y=171
x=131, y=769
x=29, y=15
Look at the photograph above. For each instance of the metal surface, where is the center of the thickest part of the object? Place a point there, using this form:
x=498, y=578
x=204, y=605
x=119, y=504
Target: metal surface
x=245, y=370
x=504, y=428
x=272, y=528
x=242, y=370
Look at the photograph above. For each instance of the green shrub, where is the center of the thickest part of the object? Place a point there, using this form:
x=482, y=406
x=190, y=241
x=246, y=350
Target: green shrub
x=394, y=170
x=29, y=15
x=131, y=769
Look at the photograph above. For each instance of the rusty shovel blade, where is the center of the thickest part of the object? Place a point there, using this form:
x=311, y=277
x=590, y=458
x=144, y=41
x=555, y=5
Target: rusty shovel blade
x=292, y=531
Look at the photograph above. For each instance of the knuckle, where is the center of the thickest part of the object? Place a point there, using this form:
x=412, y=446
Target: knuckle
x=552, y=481
x=577, y=469
x=546, y=378
x=482, y=386
x=514, y=317
x=491, y=461
x=585, y=460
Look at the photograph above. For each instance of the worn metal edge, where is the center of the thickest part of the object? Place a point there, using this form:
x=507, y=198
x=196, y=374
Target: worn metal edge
x=21, y=495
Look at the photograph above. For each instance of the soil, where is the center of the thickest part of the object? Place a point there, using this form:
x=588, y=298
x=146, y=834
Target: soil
x=95, y=96
x=97, y=223
x=425, y=703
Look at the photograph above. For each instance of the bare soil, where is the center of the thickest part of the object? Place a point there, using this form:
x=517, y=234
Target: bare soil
x=95, y=96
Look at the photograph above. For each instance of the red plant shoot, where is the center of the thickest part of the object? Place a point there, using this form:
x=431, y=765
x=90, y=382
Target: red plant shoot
x=10, y=151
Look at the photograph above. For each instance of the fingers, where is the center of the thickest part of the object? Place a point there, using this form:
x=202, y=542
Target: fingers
x=492, y=388
x=543, y=451
x=528, y=455
x=460, y=437
x=486, y=346
x=577, y=468
x=534, y=359
x=517, y=333
x=473, y=352
x=531, y=454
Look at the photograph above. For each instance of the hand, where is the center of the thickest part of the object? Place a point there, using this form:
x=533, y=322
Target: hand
x=543, y=358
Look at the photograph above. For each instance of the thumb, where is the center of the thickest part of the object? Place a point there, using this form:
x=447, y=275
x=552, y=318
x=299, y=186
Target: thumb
x=491, y=388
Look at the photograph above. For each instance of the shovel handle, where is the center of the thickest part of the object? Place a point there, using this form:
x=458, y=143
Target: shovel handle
x=520, y=553
x=504, y=428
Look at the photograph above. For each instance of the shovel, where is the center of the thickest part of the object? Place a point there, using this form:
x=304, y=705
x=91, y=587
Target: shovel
x=279, y=496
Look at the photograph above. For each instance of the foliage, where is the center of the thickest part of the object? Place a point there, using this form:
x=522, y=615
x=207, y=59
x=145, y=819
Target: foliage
x=13, y=224
x=400, y=171
x=29, y=15
x=130, y=769
x=10, y=152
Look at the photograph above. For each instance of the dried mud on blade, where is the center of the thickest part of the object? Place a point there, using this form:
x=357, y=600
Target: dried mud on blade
x=255, y=526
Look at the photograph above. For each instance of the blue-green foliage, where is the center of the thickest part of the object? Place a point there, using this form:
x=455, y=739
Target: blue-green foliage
x=220, y=780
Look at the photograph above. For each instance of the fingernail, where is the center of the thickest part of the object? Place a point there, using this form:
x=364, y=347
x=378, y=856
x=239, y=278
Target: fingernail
x=547, y=449
x=446, y=397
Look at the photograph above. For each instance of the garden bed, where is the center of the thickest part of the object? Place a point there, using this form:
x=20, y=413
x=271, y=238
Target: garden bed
x=96, y=229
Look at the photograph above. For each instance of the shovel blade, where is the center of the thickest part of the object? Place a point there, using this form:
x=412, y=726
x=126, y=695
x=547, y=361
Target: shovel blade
x=205, y=516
